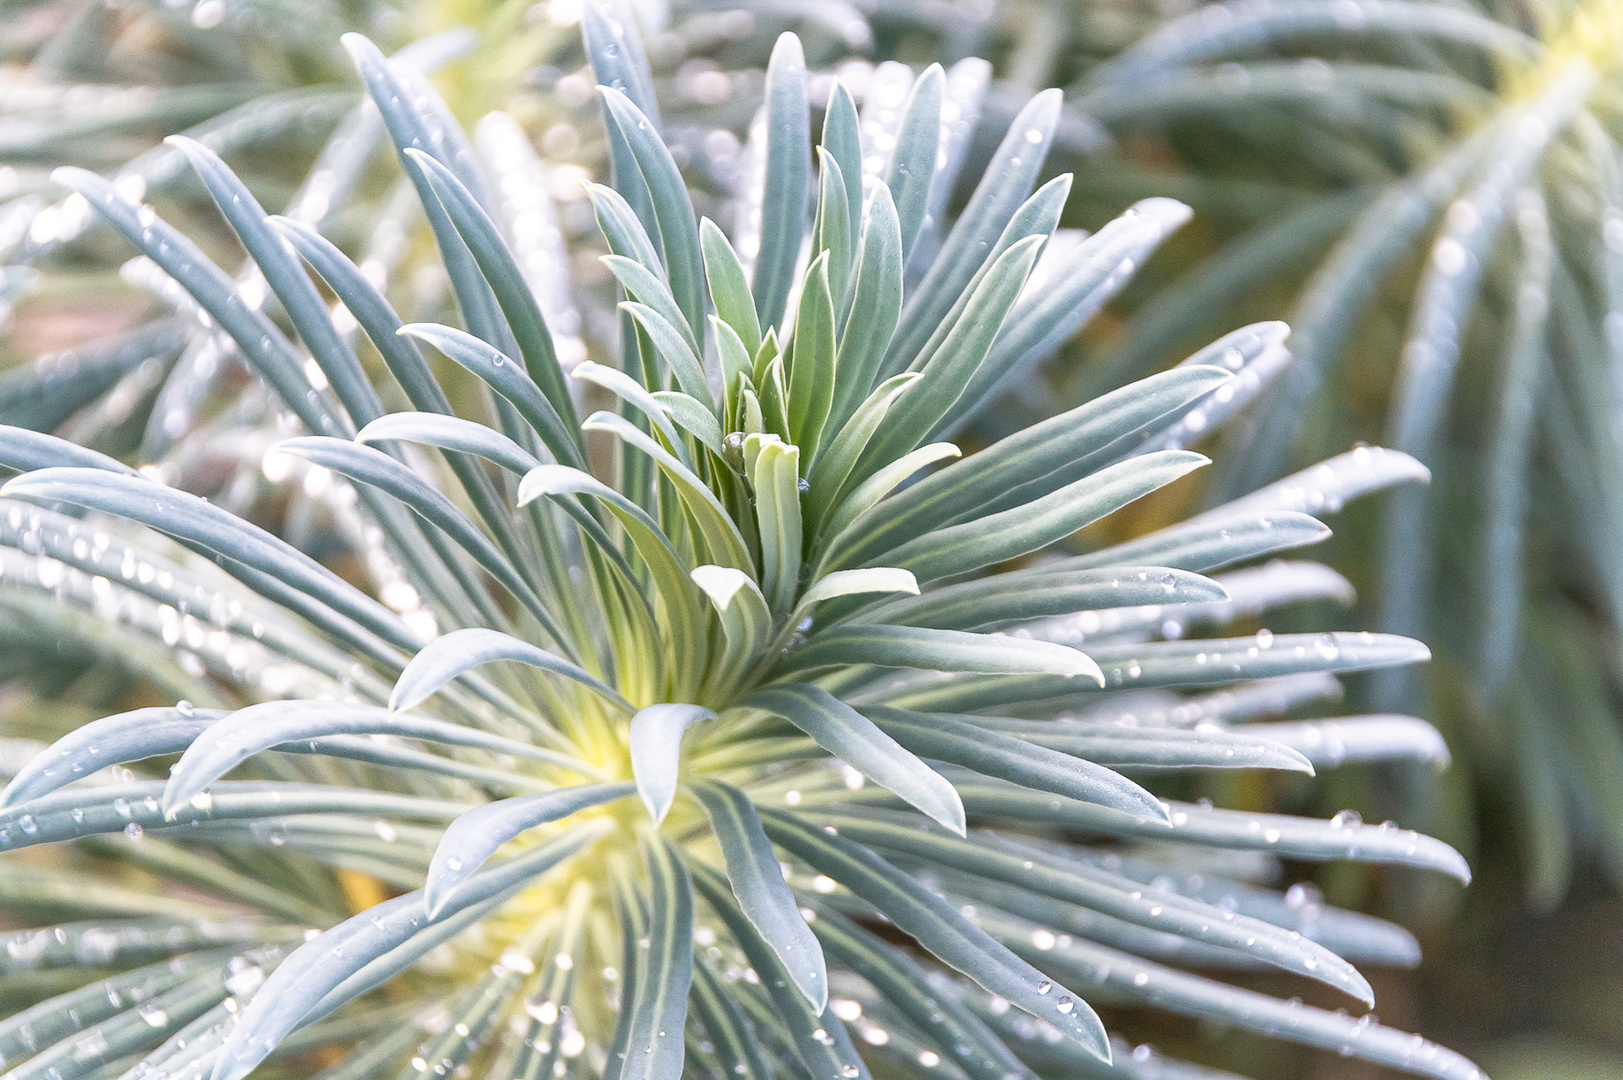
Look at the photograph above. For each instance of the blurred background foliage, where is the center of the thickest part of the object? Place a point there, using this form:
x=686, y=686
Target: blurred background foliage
x=1430, y=193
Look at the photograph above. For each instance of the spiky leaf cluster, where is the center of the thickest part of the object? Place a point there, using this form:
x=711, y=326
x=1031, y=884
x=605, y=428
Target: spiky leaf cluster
x=1436, y=191
x=672, y=770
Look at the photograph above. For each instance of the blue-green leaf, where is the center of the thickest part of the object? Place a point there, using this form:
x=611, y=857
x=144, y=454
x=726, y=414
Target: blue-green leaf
x=455, y=654
x=857, y=741
x=763, y=896
x=656, y=752
x=473, y=838
x=788, y=180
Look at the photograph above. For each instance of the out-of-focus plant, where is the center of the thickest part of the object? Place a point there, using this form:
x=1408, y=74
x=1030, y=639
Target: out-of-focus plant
x=1449, y=218
x=721, y=598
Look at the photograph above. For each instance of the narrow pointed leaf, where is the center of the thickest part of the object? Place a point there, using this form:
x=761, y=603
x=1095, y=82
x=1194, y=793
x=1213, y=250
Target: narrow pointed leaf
x=658, y=1009
x=449, y=433
x=473, y=838
x=940, y=928
x=459, y=652
x=859, y=742
x=729, y=288
x=757, y=881
x=788, y=180
x=913, y=161
x=224, y=745
x=656, y=752
x=940, y=650
x=987, y=751
x=508, y=379
x=326, y=961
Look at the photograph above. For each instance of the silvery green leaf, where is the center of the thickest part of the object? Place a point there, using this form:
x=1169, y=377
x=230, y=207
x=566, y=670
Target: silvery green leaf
x=112, y=740
x=729, y=288
x=833, y=467
x=1210, y=544
x=24, y=450
x=363, y=300
x=623, y=228
x=913, y=160
x=995, y=601
x=1079, y=287
x=1199, y=662
x=1343, y=837
x=558, y=482
x=788, y=180
x=473, y=838
x=763, y=896
x=1021, y=530
x=775, y=476
x=1041, y=458
x=952, y=366
x=262, y=344
x=508, y=379
x=417, y=119
x=863, y=497
x=1161, y=747
x=1136, y=980
x=1357, y=937
x=940, y=928
x=859, y=742
x=818, y=1038
x=869, y=317
x=693, y=416
x=867, y=581
x=320, y=965
x=225, y=744
x=1348, y=740
x=832, y=231
x=122, y=943
x=67, y=815
x=1037, y=218
x=633, y=393
x=842, y=141
x=501, y=271
x=1004, y=185
x=1326, y=487
x=374, y=468
x=449, y=433
x=453, y=655
x=716, y=527
x=737, y=1047
x=907, y=985
x=44, y=399
x=811, y=374
x=939, y=650
x=57, y=1018
x=304, y=306
x=1197, y=37
x=677, y=354
x=111, y=1040
x=992, y=753
x=657, y=1015
x=609, y=31
x=678, y=229
x=198, y=522
x=1051, y=874
x=655, y=738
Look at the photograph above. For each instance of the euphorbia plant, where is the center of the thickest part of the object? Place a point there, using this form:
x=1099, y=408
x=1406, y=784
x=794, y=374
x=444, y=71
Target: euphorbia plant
x=670, y=766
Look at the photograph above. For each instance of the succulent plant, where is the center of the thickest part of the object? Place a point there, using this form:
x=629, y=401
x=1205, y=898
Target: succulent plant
x=723, y=673
x=1432, y=191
